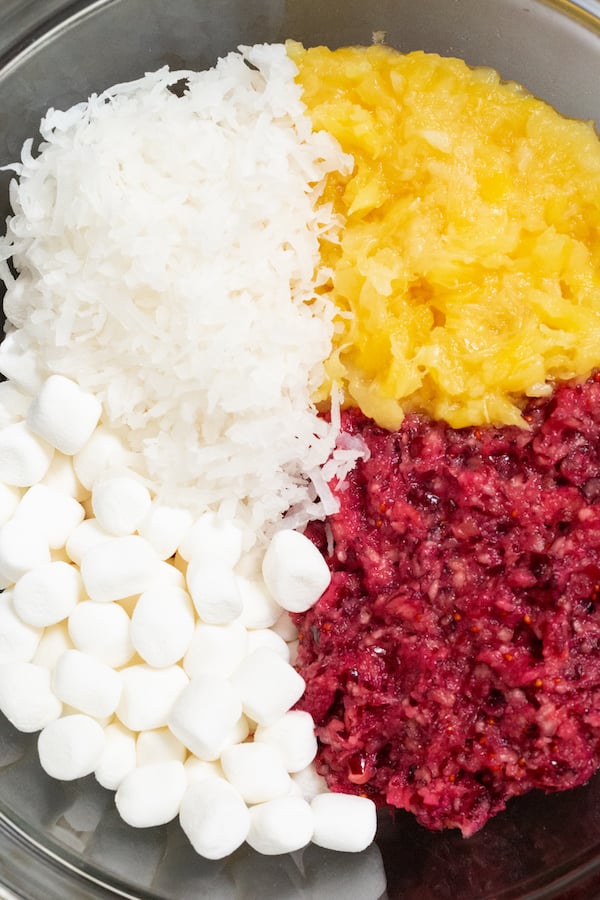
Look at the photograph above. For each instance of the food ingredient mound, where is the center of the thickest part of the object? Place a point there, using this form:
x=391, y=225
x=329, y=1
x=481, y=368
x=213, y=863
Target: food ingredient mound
x=168, y=252
x=470, y=259
x=454, y=661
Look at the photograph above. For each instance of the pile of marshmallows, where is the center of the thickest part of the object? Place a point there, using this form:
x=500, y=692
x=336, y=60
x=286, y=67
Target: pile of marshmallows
x=147, y=648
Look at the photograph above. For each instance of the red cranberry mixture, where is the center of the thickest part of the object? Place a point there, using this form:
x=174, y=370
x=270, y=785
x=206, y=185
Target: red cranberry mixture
x=454, y=661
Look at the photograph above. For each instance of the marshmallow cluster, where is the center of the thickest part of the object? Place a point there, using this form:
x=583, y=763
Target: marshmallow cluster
x=155, y=650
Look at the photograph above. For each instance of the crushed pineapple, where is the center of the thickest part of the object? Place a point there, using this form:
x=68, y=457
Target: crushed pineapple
x=468, y=274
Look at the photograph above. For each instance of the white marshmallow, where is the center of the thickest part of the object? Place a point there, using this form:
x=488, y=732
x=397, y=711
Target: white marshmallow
x=118, y=758
x=170, y=574
x=162, y=625
x=165, y=527
x=148, y=695
x=48, y=594
x=26, y=698
x=53, y=643
x=293, y=648
x=285, y=627
x=10, y=498
x=103, y=451
x=71, y=747
x=293, y=736
x=212, y=538
x=239, y=733
x=118, y=568
x=102, y=630
x=18, y=361
x=63, y=414
x=200, y=769
x=23, y=546
x=24, y=457
x=18, y=641
x=61, y=477
x=214, y=817
x=120, y=503
x=294, y=571
x=85, y=536
x=151, y=795
x=267, y=685
x=86, y=684
x=216, y=650
x=13, y=403
x=282, y=825
x=343, y=822
x=310, y=783
x=264, y=638
x=204, y=715
x=158, y=745
x=259, y=610
x=54, y=513
x=257, y=771
x=214, y=590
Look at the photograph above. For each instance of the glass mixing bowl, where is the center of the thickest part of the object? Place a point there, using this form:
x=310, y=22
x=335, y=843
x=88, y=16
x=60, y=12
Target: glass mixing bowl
x=65, y=840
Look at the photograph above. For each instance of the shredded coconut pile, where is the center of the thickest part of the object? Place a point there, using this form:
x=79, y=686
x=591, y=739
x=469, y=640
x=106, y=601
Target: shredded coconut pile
x=167, y=250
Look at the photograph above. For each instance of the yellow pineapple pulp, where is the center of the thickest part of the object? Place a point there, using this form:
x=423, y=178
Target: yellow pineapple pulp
x=468, y=272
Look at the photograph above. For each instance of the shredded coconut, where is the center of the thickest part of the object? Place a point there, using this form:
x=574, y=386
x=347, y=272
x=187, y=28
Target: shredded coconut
x=168, y=257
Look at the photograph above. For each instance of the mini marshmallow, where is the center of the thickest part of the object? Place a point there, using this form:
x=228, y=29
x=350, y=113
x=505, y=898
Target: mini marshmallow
x=151, y=795
x=13, y=404
x=216, y=650
x=282, y=825
x=18, y=641
x=200, y=769
x=295, y=573
x=102, y=630
x=214, y=817
x=213, y=538
x=238, y=734
x=214, y=589
x=86, y=684
x=257, y=771
x=165, y=527
x=293, y=736
x=23, y=546
x=63, y=414
x=61, y=477
x=158, y=745
x=18, y=361
x=293, y=648
x=169, y=574
x=285, y=627
x=343, y=822
x=120, y=503
x=310, y=783
x=259, y=610
x=265, y=638
x=54, y=513
x=118, y=568
x=10, y=498
x=85, y=536
x=71, y=747
x=53, y=643
x=26, y=698
x=267, y=685
x=118, y=757
x=104, y=451
x=24, y=457
x=48, y=594
x=204, y=715
x=148, y=695
x=162, y=625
